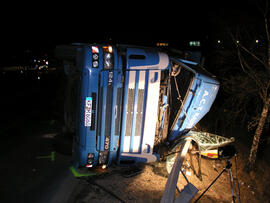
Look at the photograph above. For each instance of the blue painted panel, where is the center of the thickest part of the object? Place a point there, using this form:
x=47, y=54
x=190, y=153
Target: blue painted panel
x=87, y=139
x=197, y=104
x=151, y=57
x=103, y=84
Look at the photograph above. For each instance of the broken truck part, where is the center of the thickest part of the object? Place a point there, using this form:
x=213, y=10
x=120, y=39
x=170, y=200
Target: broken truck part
x=131, y=102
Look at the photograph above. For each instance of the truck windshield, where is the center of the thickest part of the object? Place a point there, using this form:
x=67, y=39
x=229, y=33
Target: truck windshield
x=181, y=78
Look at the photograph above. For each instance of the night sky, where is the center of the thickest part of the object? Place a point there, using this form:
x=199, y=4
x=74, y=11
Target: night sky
x=42, y=27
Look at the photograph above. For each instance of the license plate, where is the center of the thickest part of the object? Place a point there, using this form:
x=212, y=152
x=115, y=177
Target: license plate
x=88, y=111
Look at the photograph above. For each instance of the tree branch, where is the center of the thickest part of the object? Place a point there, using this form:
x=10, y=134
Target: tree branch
x=250, y=72
x=266, y=29
x=239, y=45
x=253, y=55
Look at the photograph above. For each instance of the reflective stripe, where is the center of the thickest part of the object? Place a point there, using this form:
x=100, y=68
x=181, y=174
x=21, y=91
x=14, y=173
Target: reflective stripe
x=151, y=111
x=134, y=116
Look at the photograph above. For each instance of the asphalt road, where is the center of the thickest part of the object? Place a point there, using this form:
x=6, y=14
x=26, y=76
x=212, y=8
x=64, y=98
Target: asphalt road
x=30, y=128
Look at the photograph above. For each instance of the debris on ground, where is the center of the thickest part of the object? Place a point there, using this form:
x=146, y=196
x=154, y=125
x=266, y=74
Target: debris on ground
x=147, y=184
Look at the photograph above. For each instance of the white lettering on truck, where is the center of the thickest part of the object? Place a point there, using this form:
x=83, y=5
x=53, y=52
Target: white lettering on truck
x=199, y=108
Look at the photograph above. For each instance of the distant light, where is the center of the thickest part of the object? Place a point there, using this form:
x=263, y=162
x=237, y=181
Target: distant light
x=162, y=44
x=38, y=78
x=219, y=41
x=237, y=41
x=257, y=41
x=194, y=43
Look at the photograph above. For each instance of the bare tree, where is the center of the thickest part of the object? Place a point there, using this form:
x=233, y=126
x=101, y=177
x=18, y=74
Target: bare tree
x=257, y=69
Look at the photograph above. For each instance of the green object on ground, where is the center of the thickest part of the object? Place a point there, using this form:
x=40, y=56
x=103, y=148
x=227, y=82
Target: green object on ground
x=77, y=174
x=51, y=156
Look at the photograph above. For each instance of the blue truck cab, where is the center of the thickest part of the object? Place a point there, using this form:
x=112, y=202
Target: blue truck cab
x=131, y=100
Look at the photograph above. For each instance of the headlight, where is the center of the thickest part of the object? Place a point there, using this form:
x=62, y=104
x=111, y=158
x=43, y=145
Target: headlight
x=108, y=61
x=95, y=56
x=90, y=160
x=107, y=57
x=103, y=157
x=95, y=64
x=91, y=155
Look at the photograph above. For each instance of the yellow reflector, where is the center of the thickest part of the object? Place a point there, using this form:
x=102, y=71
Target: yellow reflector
x=213, y=154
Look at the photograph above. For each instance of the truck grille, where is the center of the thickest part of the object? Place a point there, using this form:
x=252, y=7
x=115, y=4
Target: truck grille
x=140, y=105
x=118, y=111
x=108, y=114
x=130, y=106
x=139, y=112
x=139, y=102
x=109, y=111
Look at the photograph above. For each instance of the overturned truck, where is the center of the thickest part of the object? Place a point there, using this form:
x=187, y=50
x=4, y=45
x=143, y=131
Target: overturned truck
x=132, y=103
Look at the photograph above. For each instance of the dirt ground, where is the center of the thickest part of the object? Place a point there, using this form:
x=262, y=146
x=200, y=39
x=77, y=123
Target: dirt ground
x=26, y=178
x=149, y=184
